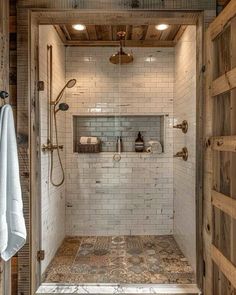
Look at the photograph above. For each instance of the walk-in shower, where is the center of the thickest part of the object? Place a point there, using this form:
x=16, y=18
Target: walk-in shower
x=53, y=110
x=120, y=215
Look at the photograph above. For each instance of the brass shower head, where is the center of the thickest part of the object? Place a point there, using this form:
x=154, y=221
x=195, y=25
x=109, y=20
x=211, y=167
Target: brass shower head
x=121, y=57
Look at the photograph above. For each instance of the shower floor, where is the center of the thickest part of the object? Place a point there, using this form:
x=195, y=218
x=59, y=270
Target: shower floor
x=120, y=259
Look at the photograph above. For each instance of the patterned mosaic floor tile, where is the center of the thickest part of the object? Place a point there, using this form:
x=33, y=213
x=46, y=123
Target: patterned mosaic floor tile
x=120, y=259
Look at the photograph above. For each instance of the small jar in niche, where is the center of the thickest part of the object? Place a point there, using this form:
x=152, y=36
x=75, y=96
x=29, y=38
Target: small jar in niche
x=139, y=144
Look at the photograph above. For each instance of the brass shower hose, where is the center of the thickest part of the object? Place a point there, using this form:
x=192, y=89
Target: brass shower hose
x=51, y=129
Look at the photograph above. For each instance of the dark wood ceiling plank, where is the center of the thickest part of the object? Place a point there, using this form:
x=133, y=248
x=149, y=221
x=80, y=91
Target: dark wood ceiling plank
x=139, y=32
x=165, y=34
x=128, y=32
x=66, y=32
x=153, y=33
x=77, y=35
x=173, y=32
x=60, y=33
x=92, y=34
x=103, y=32
x=180, y=33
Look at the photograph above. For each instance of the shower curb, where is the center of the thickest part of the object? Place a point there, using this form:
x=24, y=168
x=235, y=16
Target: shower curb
x=111, y=289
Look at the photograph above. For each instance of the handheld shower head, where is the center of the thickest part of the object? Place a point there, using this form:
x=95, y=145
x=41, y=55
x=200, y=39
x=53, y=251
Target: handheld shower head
x=70, y=84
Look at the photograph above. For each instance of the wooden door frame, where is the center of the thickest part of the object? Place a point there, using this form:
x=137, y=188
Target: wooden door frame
x=29, y=21
x=5, y=267
x=212, y=198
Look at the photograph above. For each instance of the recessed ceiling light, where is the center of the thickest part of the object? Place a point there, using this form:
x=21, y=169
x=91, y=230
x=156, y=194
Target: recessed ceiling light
x=162, y=27
x=79, y=27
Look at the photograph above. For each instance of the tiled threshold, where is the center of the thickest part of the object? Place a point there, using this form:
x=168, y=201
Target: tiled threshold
x=111, y=289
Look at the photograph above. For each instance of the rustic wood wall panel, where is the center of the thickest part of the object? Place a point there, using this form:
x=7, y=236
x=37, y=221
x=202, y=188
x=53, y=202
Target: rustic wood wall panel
x=220, y=159
x=4, y=85
x=123, y=4
x=23, y=142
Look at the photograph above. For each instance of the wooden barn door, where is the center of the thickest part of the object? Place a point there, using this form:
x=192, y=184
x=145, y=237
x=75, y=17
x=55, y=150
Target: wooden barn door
x=219, y=210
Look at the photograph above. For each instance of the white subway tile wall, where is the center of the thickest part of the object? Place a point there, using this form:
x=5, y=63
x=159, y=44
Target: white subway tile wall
x=184, y=172
x=52, y=198
x=135, y=195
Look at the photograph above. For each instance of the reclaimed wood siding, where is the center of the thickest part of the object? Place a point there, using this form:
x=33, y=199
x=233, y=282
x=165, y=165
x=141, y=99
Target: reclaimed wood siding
x=4, y=80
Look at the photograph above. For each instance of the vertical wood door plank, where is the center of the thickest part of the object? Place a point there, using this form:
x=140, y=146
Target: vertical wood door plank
x=221, y=92
x=208, y=172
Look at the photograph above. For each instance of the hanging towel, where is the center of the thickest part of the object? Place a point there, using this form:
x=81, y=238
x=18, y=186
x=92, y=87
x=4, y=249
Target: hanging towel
x=12, y=223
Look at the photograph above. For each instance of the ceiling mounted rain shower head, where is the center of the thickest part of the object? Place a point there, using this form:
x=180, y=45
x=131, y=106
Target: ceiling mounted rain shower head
x=121, y=57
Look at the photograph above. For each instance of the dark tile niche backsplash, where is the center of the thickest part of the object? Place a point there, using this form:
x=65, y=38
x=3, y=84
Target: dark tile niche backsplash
x=107, y=128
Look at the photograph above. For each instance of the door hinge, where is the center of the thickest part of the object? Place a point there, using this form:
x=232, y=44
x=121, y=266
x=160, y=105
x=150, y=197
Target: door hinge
x=204, y=268
x=40, y=85
x=40, y=255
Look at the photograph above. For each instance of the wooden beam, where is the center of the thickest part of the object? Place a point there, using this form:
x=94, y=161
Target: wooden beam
x=128, y=43
x=224, y=143
x=60, y=33
x=180, y=33
x=224, y=203
x=174, y=30
x=222, y=2
x=135, y=18
x=225, y=266
x=224, y=83
x=67, y=34
x=218, y=25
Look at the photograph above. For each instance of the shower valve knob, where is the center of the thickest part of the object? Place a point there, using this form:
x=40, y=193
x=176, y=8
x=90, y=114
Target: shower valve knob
x=183, y=126
x=182, y=154
x=51, y=147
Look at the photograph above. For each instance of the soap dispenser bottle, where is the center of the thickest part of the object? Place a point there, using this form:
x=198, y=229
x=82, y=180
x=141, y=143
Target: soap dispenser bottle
x=119, y=145
x=139, y=144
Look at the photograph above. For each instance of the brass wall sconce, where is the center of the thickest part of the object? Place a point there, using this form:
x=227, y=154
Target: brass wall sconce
x=182, y=154
x=183, y=126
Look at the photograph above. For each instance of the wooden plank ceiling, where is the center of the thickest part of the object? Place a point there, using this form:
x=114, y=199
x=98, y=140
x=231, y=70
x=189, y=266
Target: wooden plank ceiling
x=106, y=35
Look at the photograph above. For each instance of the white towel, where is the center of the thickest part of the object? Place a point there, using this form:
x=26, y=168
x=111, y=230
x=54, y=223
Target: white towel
x=12, y=223
x=88, y=140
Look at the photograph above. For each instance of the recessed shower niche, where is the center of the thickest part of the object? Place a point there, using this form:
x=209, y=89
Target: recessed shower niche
x=108, y=128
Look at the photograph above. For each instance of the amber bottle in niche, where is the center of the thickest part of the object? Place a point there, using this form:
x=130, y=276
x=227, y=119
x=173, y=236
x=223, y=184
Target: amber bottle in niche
x=139, y=144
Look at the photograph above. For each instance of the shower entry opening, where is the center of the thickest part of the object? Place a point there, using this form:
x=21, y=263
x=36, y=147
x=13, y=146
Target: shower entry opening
x=112, y=221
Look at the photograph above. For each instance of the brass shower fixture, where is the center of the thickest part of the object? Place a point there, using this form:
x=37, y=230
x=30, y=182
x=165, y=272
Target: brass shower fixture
x=121, y=57
x=183, y=126
x=182, y=154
